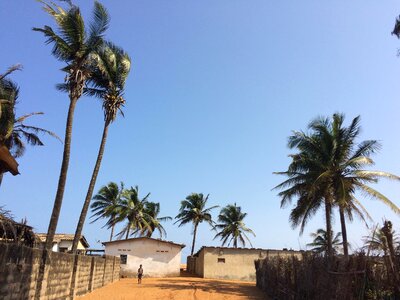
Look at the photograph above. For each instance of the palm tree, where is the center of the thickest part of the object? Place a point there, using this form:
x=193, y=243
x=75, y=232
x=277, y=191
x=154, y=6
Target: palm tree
x=232, y=227
x=110, y=70
x=8, y=97
x=193, y=210
x=132, y=209
x=105, y=204
x=72, y=44
x=152, y=211
x=330, y=168
x=13, y=131
x=320, y=241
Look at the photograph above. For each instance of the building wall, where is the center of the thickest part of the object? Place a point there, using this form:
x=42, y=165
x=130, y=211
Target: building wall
x=235, y=264
x=158, y=259
x=19, y=267
x=68, y=245
x=200, y=264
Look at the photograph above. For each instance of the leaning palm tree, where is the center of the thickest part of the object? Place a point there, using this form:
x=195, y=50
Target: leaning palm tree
x=110, y=69
x=329, y=169
x=320, y=241
x=193, y=210
x=232, y=227
x=132, y=209
x=72, y=44
x=152, y=210
x=105, y=204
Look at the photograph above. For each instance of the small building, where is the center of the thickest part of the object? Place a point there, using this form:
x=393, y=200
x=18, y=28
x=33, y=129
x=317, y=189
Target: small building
x=231, y=263
x=159, y=258
x=63, y=242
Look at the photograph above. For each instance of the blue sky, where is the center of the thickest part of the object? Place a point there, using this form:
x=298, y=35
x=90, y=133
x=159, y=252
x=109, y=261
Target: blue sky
x=216, y=88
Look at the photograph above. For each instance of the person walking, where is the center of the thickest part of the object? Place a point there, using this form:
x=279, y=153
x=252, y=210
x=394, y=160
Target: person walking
x=139, y=275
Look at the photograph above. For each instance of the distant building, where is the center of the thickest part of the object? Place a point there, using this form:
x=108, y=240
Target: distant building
x=63, y=242
x=231, y=263
x=159, y=258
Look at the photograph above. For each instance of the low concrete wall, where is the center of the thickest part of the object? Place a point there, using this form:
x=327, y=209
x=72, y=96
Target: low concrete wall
x=19, y=267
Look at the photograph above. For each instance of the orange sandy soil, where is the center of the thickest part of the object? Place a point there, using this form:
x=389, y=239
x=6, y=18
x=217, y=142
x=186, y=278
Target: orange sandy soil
x=177, y=288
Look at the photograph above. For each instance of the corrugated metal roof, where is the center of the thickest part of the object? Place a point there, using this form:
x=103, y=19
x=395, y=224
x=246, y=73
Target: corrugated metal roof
x=139, y=238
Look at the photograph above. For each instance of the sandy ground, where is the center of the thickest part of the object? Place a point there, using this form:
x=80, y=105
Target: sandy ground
x=177, y=288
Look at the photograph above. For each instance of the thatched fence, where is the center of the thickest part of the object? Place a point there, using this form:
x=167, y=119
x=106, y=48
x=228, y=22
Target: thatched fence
x=359, y=277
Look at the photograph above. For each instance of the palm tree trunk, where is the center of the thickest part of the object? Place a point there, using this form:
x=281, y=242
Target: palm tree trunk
x=112, y=232
x=127, y=232
x=1, y=178
x=194, y=238
x=328, y=214
x=344, y=233
x=59, y=197
x=89, y=193
x=63, y=176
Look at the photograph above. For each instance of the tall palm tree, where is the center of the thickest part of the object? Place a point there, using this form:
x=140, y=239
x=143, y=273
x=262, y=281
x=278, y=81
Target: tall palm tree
x=133, y=209
x=320, y=241
x=110, y=69
x=72, y=44
x=330, y=168
x=232, y=227
x=193, y=210
x=152, y=210
x=105, y=204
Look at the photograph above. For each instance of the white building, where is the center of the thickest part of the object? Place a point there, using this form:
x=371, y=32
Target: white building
x=63, y=242
x=159, y=258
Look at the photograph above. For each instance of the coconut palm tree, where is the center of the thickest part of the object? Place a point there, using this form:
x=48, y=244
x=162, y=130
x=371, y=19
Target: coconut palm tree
x=320, y=241
x=72, y=44
x=152, y=210
x=232, y=227
x=193, y=211
x=105, y=203
x=330, y=168
x=8, y=97
x=133, y=209
x=110, y=69
x=14, y=133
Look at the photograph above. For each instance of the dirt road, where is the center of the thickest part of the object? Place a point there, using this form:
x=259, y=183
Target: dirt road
x=177, y=288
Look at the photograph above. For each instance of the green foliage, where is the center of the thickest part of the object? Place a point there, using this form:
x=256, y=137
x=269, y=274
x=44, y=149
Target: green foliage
x=231, y=226
x=105, y=202
x=329, y=169
x=193, y=210
x=320, y=241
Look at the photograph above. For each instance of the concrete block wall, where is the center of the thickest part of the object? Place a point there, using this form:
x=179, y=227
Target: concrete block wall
x=83, y=276
x=17, y=264
x=59, y=275
x=19, y=268
x=98, y=272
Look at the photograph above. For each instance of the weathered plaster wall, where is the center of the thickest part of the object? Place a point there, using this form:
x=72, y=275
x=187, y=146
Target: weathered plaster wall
x=231, y=263
x=159, y=259
x=19, y=267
